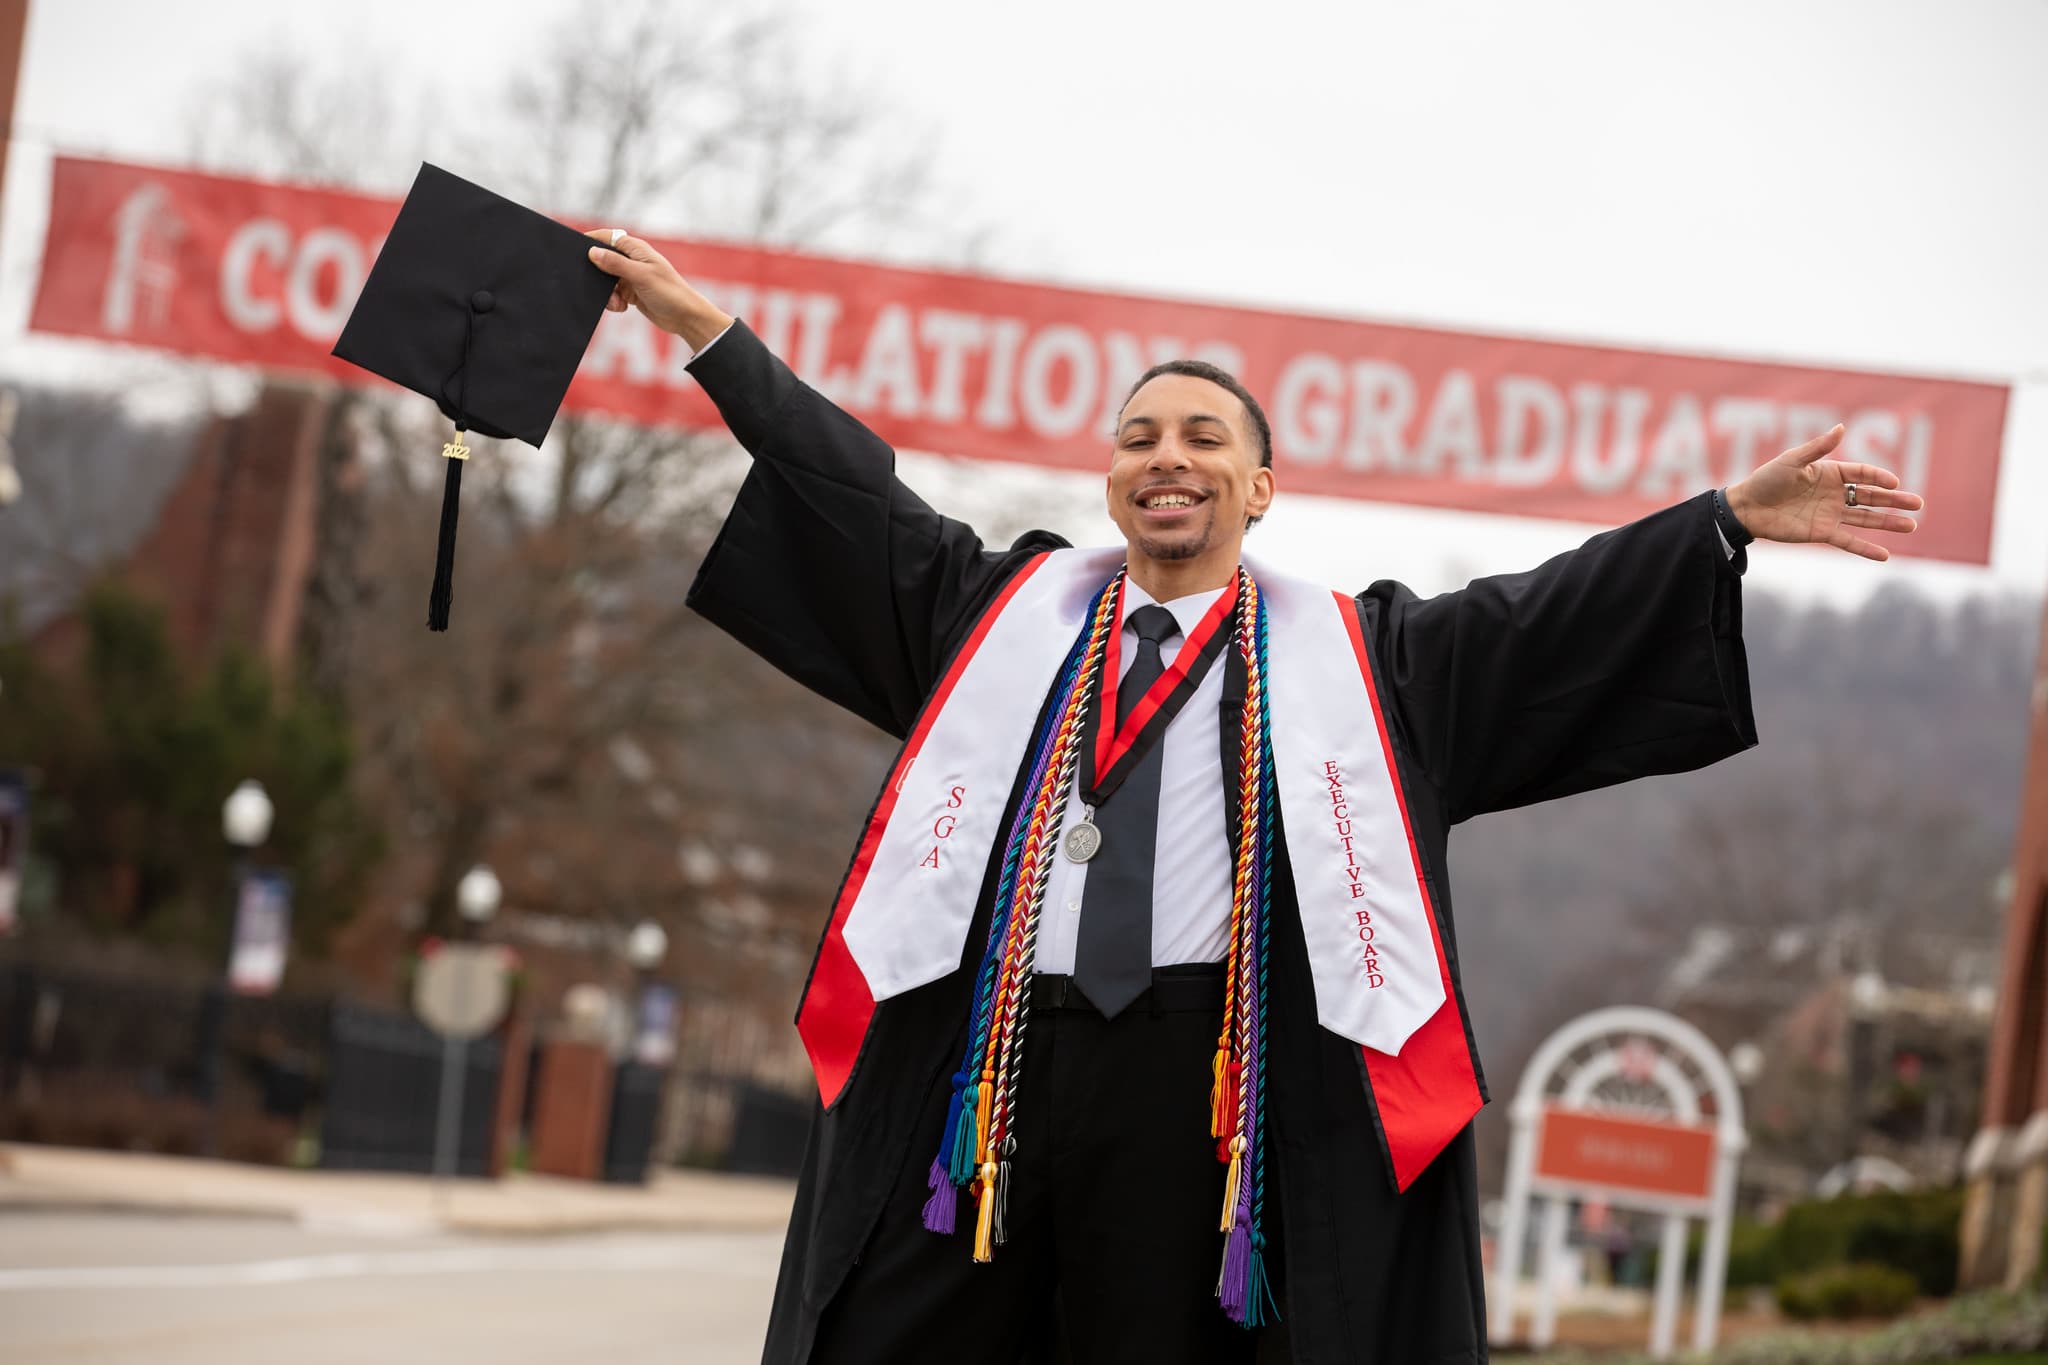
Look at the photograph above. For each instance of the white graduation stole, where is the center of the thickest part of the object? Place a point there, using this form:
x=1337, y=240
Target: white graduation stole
x=902, y=916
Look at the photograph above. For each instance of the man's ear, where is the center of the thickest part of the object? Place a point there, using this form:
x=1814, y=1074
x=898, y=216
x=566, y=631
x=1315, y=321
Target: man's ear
x=1262, y=491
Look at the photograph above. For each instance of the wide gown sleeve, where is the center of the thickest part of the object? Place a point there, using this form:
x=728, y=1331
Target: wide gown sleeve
x=1620, y=659
x=828, y=566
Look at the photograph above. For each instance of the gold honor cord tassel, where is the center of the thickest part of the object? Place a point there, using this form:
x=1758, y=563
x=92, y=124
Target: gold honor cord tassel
x=984, y=1139
x=1230, y=1185
x=984, y=1221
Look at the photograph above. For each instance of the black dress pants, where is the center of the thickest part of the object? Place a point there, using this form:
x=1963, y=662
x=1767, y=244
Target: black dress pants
x=1114, y=1204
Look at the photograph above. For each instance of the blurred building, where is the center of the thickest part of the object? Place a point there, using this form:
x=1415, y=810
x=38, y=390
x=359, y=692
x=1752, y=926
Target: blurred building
x=216, y=523
x=2007, y=1214
x=1853, y=1064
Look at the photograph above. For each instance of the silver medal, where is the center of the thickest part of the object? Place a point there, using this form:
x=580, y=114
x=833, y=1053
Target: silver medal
x=1083, y=840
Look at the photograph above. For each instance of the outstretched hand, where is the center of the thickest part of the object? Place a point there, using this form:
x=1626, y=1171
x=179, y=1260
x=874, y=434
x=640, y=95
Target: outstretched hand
x=1804, y=496
x=648, y=282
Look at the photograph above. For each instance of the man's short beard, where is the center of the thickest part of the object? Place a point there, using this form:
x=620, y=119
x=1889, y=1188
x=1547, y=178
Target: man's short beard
x=1165, y=551
x=1187, y=549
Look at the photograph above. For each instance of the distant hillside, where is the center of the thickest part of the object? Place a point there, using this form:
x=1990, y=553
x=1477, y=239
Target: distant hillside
x=1888, y=774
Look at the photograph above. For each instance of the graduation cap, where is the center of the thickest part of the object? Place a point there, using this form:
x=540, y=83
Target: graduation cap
x=484, y=306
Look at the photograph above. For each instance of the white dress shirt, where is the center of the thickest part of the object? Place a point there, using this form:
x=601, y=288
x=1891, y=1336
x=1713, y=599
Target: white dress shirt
x=1191, y=862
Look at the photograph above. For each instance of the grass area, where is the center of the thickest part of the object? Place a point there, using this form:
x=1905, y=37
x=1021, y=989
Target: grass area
x=1991, y=1328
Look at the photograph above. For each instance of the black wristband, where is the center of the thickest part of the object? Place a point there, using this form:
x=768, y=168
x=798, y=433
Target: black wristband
x=1724, y=517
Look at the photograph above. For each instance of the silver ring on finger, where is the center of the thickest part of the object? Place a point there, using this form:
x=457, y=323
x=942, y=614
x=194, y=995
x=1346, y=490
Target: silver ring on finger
x=1852, y=496
x=620, y=232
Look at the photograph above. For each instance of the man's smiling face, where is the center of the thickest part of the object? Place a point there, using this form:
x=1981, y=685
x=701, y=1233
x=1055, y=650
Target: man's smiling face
x=1186, y=473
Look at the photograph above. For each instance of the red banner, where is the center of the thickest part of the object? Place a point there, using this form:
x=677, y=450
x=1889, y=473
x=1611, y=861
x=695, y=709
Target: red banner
x=265, y=274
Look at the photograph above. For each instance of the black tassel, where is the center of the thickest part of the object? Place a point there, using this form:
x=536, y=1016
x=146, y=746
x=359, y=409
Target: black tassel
x=444, y=553
x=455, y=454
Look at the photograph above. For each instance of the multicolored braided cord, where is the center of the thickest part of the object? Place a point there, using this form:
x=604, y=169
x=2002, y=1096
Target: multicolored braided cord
x=978, y=1141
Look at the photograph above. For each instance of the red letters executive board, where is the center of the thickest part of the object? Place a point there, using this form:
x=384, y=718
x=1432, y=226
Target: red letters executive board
x=265, y=274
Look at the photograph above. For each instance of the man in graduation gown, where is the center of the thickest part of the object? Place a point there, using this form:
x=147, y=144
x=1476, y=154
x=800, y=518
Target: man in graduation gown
x=1620, y=659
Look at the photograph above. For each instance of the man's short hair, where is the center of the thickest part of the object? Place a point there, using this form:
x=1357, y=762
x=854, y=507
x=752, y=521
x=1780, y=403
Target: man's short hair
x=1222, y=379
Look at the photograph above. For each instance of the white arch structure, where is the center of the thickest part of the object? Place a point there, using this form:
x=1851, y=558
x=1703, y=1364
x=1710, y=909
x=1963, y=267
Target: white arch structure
x=1633, y=1064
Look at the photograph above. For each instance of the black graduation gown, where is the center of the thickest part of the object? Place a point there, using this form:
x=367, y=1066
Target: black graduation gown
x=1620, y=659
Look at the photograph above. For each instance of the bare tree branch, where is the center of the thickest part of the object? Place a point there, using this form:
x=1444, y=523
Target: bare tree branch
x=577, y=724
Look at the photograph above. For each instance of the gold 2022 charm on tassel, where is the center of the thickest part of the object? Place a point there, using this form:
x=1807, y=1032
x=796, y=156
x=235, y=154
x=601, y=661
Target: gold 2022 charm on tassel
x=455, y=450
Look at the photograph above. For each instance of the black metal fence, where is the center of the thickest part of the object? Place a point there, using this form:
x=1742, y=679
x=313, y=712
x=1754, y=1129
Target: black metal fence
x=95, y=1059
x=382, y=1108
x=635, y=1122
x=770, y=1129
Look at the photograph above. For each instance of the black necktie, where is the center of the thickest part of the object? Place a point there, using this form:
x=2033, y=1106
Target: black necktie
x=1113, y=959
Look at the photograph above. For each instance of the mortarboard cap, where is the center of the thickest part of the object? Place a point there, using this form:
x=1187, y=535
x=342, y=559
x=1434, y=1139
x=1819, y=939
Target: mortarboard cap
x=484, y=306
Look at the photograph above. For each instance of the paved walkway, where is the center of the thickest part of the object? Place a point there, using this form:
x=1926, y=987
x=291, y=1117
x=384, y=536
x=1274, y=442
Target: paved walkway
x=68, y=1178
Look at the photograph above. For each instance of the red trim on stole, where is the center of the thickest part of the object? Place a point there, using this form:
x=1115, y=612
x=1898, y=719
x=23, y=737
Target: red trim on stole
x=838, y=1005
x=1428, y=1093
x=1111, y=744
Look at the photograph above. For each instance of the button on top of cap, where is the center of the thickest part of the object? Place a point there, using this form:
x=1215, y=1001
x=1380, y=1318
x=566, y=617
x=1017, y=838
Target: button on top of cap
x=482, y=301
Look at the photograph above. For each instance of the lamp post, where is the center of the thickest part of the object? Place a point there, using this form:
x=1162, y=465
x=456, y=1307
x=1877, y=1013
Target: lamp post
x=653, y=1002
x=646, y=946
x=245, y=820
x=643, y=1061
x=476, y=900
x=477, y=896
x=1869, y=994
x=261, y=919
x=246, y=815
x=1746, y=1060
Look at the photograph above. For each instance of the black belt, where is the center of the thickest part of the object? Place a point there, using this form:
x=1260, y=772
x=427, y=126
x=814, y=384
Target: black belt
x=1190, y=988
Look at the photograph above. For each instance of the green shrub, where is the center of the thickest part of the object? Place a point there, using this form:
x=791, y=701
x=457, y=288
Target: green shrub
x=1752, y=1255
x=1850, y=1291
x=1915, y=1232
x=1920, y=1238
x=1813, y=1234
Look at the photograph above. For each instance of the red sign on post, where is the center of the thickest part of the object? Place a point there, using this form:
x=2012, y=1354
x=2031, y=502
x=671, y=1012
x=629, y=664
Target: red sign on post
x=1615, y=1153
x=265, y=274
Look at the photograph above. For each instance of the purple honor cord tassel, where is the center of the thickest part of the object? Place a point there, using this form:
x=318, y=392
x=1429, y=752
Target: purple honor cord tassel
x=1235, y=1288
x=944, y=1205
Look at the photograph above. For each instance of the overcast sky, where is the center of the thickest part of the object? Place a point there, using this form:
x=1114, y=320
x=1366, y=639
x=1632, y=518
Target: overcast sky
x=1860, y=184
